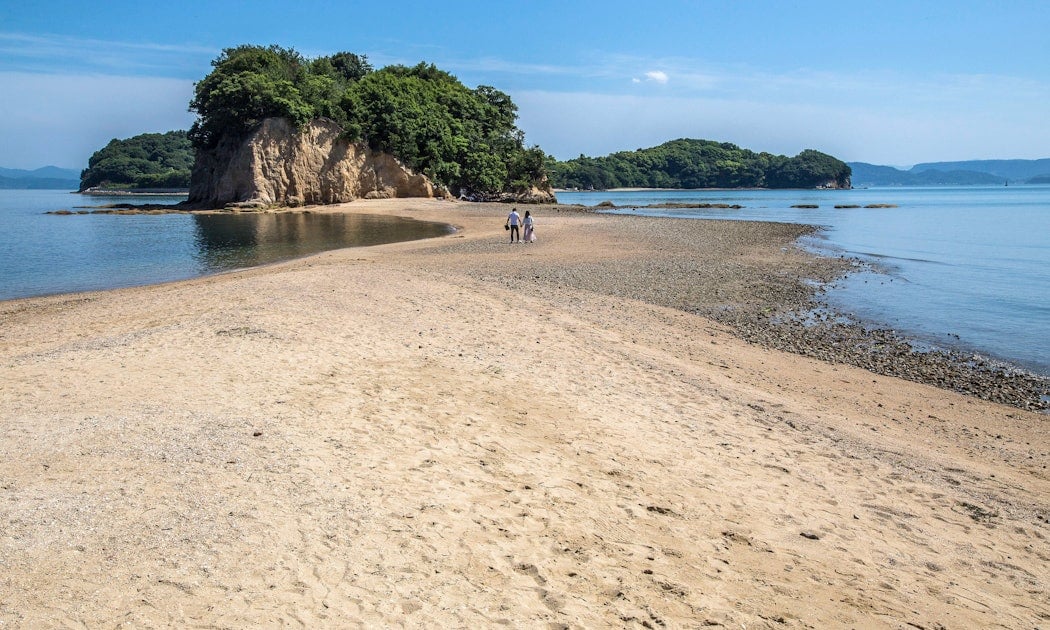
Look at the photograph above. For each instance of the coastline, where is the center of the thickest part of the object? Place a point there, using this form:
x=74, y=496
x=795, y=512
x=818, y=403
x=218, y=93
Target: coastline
x=631, y=189
x=135, y=192
x=460, y=431
x=795, y=320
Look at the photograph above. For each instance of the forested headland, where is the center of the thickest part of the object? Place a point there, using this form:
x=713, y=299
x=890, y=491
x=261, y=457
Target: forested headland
x=461, y=138
x=689, y=163
x=145, y=161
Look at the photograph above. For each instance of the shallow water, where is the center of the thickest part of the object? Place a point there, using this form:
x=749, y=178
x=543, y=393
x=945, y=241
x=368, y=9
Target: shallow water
x=962, y=267
x=42, y=254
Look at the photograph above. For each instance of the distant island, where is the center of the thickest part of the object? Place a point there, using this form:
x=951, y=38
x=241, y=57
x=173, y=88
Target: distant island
x=143, y=163
x=46, y=178
x=965, y=173
x=689, y=163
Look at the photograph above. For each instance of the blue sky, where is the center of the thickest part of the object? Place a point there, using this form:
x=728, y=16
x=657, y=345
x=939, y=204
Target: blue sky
x=887, y=82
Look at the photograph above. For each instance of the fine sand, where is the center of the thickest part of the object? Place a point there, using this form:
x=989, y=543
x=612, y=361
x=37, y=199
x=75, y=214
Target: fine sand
x=465, y=433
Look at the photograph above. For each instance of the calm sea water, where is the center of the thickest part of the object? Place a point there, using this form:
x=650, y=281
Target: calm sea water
x=965, y=267
x=42, y=254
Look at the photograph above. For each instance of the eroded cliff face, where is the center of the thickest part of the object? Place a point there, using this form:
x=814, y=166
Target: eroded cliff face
x=279, y=165
x=843, y=183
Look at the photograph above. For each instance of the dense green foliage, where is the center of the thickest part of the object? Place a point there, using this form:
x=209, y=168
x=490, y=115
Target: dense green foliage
x=252, y=83
x=699, y=164
x=149, y=160
x=460, y=138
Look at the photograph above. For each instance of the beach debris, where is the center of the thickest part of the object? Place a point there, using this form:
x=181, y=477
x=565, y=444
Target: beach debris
x=661, y=510
x=977, y=512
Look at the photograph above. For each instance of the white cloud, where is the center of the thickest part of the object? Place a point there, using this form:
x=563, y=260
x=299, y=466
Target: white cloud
x=657, y=75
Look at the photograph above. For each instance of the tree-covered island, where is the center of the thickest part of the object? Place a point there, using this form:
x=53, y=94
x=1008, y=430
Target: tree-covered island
x=700, y=164
x=464, y=140
x=146, y=161
x=461, y=138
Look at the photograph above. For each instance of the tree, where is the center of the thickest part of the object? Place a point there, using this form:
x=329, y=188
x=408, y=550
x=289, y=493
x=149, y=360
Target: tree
x=149, y=160
x=251, y=83
x=809, y=169
x=460, y=138
x=350, y=66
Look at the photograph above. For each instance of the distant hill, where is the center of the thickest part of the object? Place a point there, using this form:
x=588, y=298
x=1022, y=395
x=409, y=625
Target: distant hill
x=967, y=173
x=48, y=172
x=875, y=175
x=47, y=177
x=865, y=174
x=1012, y=170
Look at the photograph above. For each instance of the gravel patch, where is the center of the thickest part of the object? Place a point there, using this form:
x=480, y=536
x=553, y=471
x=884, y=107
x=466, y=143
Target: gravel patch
x=749, y=276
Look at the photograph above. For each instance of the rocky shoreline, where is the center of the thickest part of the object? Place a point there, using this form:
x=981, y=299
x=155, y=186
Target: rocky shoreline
x=807, y=325
x=836, y=338
x=700, y=269
x=134, y=192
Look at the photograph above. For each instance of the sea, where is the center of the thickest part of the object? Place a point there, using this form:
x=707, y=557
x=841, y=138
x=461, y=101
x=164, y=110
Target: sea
x=964, y=268
x=45, y=254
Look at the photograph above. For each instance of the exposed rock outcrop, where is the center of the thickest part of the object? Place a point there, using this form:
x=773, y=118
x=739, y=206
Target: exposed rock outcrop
x=842, y=183
x=279, y=165
x=540, y=192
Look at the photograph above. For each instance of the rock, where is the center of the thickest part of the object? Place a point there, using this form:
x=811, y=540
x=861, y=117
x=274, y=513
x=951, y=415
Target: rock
x=538, y=193
x=279, y=165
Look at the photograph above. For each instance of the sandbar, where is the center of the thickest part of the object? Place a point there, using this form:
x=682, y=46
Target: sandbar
x=461, y=432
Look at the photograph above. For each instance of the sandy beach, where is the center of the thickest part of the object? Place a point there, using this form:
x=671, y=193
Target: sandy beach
x=459, y=432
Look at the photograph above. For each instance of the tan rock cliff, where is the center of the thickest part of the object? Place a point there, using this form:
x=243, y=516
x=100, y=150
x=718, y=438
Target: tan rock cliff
x=279, y=165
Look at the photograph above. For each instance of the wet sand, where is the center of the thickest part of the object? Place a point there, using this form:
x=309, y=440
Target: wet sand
x=462, y=432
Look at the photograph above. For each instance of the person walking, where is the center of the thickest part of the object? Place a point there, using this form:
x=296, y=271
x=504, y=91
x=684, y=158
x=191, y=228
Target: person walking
x=526, y=223
x=512, y=220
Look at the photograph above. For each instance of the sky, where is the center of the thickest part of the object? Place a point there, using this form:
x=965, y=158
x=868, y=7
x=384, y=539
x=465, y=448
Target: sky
x=886, y=82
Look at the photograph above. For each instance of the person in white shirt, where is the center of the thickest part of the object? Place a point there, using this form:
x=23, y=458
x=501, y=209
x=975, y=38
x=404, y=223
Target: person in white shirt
x=512, y=221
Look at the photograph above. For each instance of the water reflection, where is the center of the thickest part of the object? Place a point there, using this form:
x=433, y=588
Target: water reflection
x=225, y=241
